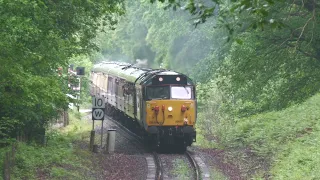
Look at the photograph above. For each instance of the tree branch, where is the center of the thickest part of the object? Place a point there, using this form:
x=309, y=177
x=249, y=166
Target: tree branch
x=303, y=28
x=303, y=52
x=310, y=5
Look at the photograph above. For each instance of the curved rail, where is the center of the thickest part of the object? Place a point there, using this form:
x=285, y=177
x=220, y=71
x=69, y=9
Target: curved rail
x=159, y=174
x=194, y=164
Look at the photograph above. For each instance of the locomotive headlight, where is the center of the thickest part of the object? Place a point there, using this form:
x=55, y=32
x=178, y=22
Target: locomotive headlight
x=160, y=79
x=178, y=78
x=169, y=108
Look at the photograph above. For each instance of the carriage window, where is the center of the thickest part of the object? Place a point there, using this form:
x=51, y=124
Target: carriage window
x=181, y=92
x=158, y=92
x=110, y=85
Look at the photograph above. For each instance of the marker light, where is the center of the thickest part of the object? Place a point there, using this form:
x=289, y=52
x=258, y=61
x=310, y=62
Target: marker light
x=178, y=78
x=170, y=108
x=160, y=79
x=183, y=108
x=156, y=109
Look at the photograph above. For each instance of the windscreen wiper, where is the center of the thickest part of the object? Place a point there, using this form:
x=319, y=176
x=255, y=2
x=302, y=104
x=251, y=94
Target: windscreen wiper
x=186, y=89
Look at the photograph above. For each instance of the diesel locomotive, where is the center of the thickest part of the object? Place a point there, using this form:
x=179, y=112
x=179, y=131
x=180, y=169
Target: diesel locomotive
x=160, y=105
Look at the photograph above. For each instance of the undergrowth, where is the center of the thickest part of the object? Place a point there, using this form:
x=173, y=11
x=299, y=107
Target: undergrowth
x=59, y=159
x=283, y=144
x=218, y=175
x=203, y=141
x=300, y=159
x=181, y=169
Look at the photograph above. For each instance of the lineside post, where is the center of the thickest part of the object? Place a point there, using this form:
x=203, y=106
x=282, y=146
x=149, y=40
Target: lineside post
x=111, y=141
x=98, y=106
x=101, y=132
x=92, y=135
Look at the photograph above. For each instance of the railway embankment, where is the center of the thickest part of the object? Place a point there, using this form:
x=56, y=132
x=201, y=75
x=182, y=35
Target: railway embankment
x=59, y=158
x=272, y=145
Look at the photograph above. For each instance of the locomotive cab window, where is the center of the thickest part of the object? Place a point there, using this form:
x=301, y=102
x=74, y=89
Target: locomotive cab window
x=169, y=92
x=181, y=92
x=158, y=92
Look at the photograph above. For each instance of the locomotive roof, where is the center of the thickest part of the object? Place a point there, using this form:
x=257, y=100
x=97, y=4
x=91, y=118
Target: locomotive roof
x=128, y=71
x=168, y=73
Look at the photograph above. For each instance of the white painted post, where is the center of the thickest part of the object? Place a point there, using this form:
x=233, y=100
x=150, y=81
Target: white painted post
x=111, y=140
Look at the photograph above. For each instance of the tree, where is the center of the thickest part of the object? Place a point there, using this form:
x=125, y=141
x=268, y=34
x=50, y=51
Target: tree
x=273, y=69
x=37, y=37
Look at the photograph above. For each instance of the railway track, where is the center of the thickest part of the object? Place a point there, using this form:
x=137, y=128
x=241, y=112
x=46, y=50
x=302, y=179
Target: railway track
x=154, y=162
x=194, y=165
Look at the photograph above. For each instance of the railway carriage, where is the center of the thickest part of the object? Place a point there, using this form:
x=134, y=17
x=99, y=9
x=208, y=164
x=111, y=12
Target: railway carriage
x=158, y=104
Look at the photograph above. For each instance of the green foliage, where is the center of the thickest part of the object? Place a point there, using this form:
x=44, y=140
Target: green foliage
x=214, y=116
x=83, y=61
x=227, y=12
x=267, y=81
x=271, y=69
x=59, y=159
x=252, y=90
x=300, y=159
x=38, y=37
x=181, y=169
x=6, y=129
x=286, y=139
x=30, y=108
x=265, y=133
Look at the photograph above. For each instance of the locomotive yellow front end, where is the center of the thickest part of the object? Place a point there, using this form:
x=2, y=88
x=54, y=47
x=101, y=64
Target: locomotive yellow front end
x=171, y=110
x=171, y=113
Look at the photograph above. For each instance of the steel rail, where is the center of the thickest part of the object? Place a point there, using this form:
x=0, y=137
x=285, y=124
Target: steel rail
x=159, y=174
x=194, y=165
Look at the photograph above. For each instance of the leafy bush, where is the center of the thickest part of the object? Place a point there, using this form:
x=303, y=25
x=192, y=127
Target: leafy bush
x=59, y=159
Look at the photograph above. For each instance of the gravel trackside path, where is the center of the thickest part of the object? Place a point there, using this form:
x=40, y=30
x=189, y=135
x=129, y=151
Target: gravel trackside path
x=128, y=162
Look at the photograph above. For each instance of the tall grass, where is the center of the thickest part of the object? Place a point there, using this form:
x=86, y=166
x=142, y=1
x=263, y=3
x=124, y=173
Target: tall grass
x=60, y=159
x=286, y=140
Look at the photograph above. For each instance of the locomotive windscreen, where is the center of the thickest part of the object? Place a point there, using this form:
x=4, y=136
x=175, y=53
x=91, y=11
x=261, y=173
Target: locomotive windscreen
x=169, y=79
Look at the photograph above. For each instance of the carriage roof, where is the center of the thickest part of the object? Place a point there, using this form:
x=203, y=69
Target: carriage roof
x=129, y=72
